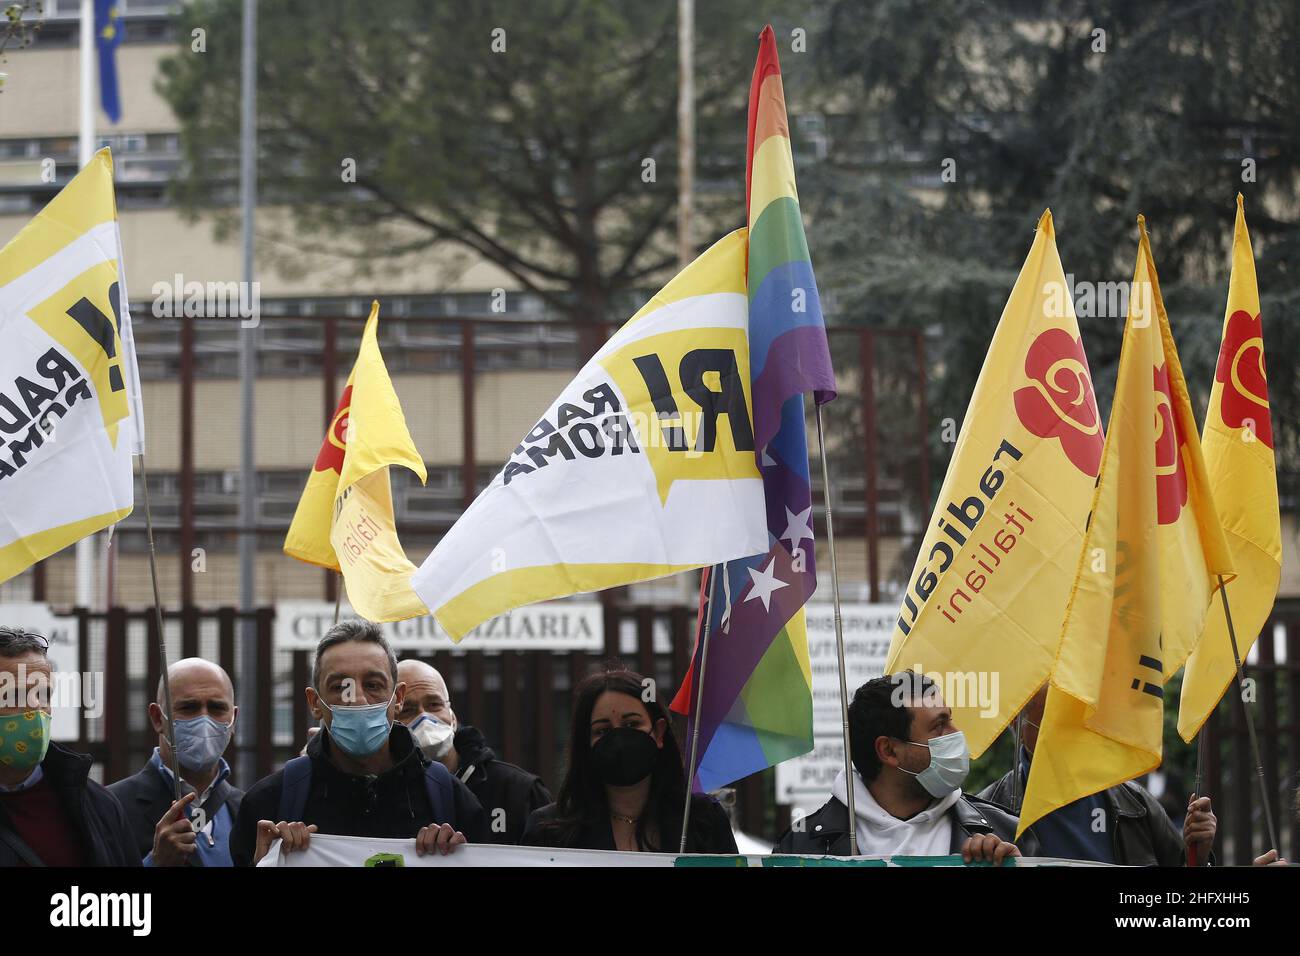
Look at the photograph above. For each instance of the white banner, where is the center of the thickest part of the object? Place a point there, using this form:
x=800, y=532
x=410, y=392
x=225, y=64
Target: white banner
x=552, y=626
x=806, y=781
x=330, y=850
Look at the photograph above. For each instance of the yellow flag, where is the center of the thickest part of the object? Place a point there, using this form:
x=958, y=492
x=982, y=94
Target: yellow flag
x=1238, y=442
x=345, y=517
x=1145, y=575
x=994, y=572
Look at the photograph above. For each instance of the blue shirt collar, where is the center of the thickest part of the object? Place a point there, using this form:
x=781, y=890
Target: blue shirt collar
x=33, y=778
x=156, y=761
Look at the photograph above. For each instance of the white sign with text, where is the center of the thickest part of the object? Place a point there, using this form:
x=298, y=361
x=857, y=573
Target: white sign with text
x=553, y=626
x=806, y=781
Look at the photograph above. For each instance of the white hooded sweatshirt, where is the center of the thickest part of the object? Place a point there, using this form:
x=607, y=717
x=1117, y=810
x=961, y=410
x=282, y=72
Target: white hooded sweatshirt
x=880, y=833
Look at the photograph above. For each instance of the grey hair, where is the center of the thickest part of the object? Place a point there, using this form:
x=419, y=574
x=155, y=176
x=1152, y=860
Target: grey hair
x=345, y=631
x=17, y=641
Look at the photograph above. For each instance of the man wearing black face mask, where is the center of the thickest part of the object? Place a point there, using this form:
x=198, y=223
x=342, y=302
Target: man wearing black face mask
x=910, y=762
x=363, y=775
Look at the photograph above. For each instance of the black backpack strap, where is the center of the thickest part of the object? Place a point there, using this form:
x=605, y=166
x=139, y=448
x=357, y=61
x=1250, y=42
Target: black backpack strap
x=10, y=838
x=442, y=799
x=294, y=788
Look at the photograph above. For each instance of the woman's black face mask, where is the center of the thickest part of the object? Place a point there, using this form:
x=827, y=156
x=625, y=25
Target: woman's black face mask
x=624, y=756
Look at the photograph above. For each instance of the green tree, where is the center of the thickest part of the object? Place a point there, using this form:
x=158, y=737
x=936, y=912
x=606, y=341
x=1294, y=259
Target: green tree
x=539, y=135
x=1100, y=109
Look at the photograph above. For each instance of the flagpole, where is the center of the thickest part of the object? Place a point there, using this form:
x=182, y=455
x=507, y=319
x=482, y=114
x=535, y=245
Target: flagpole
x=251, y=677
x=85, y=550
x=166, y=702
x=839, y=637
x=1250, y=721
x=1019, y=765
x=1193, y=858
x=338, y=596
x=699, y=702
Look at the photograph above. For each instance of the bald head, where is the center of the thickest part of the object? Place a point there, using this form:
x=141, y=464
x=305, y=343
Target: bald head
x=191, y=672
x=426, y=693
x=198, y=687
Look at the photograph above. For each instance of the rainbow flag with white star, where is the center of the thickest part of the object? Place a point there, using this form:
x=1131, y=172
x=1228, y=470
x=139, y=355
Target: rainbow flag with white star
x=757, y=696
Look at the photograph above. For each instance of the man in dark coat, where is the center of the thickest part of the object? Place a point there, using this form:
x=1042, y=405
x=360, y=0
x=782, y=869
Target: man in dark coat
x=51, y=812
x=909, y=763
x=364, y=775
x=508, y=793
x=196, y=830
x=1124, y=825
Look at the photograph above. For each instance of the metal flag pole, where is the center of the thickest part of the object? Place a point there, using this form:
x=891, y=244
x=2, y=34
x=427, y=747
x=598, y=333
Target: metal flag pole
x=1016, y=795
x=839, y=636
x=685, y=131
x=338, y=596
x=1250, y=721
x=699, y=701
x=166, y=702
x=85, y=548
x=249, y=676
x=1193, y=858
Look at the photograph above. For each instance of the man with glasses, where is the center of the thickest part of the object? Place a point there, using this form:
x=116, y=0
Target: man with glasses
x=363, y=775
x=51, y=812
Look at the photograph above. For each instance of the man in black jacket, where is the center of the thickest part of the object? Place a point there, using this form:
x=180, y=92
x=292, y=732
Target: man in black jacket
x=364, y=775
x=1124, y=825
x=196, y=830
x=909, y=763
x=51, y=812
x=508, y=793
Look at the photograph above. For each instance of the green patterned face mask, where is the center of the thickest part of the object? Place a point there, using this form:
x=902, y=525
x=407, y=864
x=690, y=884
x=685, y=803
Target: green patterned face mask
x=24, y=738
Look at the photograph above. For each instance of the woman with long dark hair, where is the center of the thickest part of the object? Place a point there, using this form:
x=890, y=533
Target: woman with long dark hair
x=625, y=787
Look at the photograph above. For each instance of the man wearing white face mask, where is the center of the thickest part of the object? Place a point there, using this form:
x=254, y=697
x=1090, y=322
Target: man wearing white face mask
x=508, y=793
x=196, y=830
x=363, y=774
x=909, y=764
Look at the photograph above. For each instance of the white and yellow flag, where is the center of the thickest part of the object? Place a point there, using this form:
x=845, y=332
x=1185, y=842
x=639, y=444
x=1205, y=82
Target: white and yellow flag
x=643, y=466
x=70, y=413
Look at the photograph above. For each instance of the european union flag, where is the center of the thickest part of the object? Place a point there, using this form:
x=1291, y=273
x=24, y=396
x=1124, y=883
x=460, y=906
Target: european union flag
x=108, y=33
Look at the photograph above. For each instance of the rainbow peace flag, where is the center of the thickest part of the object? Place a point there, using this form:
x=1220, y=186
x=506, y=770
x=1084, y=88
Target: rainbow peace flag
x=757, y=701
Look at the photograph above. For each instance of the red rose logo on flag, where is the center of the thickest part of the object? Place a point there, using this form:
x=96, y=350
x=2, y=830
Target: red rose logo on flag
x=1058, y=402
x=1171, y=477
x=330, y=457
x=1241, y=370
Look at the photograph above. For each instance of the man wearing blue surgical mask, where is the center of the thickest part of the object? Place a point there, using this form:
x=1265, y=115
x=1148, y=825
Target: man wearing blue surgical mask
x=363, y=774
x=194, y=831
x=910, y=762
